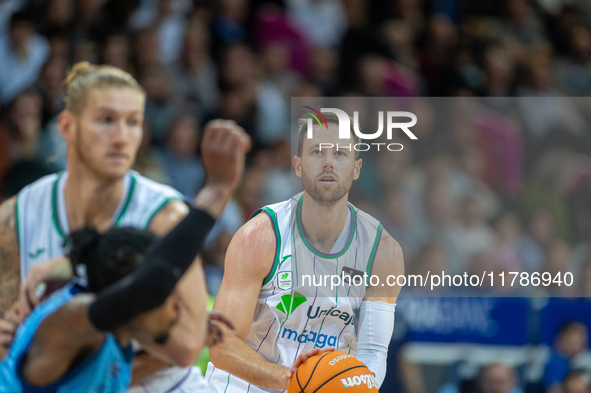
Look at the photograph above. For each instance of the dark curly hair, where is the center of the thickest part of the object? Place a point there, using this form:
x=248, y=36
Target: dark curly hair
x=108, y=257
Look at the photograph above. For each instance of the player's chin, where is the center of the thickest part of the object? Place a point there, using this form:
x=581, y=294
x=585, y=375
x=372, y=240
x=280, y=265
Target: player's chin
x=115, y=170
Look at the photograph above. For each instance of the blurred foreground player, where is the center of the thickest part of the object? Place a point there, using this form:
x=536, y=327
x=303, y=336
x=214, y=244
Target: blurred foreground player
x=102, y=128
x=80, y=341
x=281, y=322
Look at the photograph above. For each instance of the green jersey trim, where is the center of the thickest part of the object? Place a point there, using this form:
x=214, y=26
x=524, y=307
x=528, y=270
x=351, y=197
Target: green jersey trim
x=56, y=221
x=160, y=207
x=128, y=201
x=273, y=218
x=16, y=221
x=372, y=255
x=314, y=250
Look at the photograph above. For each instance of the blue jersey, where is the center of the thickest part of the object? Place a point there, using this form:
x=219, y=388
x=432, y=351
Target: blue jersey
x=107, y=370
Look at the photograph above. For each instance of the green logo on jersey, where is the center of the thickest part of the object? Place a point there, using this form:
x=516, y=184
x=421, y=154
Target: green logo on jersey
x=284, y=276
x=289, y=304
x=37, y=253
x=283, y=259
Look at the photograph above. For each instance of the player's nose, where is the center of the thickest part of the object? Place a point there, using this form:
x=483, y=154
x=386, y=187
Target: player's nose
x=328, y=161
x=121, y=133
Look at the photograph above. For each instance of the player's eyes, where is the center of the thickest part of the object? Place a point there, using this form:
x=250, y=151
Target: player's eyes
x=105, y=119
x=132, y=122
x=339, y=153
x=317, y=152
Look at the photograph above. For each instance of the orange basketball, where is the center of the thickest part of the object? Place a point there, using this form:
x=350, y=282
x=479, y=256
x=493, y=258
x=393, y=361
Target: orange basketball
x=332, y=372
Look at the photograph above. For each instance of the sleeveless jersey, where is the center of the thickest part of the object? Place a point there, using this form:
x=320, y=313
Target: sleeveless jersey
x=107, y=370
x=42, y=222
x=296, y=309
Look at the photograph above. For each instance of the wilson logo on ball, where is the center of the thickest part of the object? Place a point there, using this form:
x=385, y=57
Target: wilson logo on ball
x=367, y=379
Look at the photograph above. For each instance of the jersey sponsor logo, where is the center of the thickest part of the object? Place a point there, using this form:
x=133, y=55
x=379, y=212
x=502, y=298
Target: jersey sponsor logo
x=37, y=253
x=284, y=280
x=367, y=379
x=290, y=303
x=319, y=340
x=284, y=258
x=351, y=273
x=333, y=312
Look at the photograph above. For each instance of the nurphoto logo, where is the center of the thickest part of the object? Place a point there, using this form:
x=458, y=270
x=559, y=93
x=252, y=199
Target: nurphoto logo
x=392, y=123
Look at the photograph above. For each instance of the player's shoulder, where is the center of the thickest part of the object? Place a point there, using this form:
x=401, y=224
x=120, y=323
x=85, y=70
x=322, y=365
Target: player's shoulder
x=389, y=257
x=8, y=217
x=389, y=244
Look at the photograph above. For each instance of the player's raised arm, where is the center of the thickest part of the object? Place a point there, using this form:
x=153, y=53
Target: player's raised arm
x=9, y=266
x=189, y=335
x=376, y=315
x=224, y=149
x=85, y=318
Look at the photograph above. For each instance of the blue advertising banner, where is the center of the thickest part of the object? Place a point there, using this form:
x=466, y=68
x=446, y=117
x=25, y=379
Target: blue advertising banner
x=499, y=321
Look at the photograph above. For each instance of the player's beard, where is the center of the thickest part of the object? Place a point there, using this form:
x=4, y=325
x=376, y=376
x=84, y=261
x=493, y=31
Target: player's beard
x=328, y=197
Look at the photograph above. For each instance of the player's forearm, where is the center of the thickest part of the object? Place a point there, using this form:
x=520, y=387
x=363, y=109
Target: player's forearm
x=239, y=359
x=213, y=197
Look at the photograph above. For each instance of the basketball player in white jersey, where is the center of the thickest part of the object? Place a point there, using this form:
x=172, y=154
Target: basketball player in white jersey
x=102, y=127
x=280, y=321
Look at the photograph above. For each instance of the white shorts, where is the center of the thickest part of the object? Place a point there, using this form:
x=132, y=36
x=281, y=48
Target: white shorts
x=219, y=381
x=172, y=380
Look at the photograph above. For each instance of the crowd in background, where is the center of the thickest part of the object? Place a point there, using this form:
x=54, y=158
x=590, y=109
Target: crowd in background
x=506, y=190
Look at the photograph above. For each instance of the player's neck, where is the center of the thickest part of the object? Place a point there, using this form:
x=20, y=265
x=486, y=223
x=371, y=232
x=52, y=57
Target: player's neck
x=322, y=225
x=91, y=201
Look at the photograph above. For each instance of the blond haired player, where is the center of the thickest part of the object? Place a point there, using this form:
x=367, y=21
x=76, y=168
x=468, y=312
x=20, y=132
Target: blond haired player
x=280, y=321
x=102, y=127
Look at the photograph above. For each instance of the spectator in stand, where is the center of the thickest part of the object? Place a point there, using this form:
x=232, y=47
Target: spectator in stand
x=570, y=342
x=52, y=75
x=577, y=381
x=180, y=156
x=572, y=73
x=196, y=75
x=146, y=48
x=160, y=108
x=498, y=378
x=169, y=24
x=22, y=130
x=117, y=52
x=23, y=54
x=471, y=235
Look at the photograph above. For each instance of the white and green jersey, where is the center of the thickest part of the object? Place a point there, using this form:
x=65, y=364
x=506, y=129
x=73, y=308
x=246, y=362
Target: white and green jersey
x=296, y=309
x=42, y=221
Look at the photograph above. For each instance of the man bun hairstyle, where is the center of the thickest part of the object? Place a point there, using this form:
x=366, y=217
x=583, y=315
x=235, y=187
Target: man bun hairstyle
x=108, y=257
x=84, y=76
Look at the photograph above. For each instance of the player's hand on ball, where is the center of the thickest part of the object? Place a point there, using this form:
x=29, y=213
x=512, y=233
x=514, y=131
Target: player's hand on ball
x=215, y=334
x=223, y=149
x=302, y=358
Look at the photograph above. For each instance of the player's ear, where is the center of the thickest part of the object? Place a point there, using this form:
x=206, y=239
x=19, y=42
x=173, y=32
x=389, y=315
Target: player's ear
x=67, y=125
x=357, y=168
x=297, y=164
